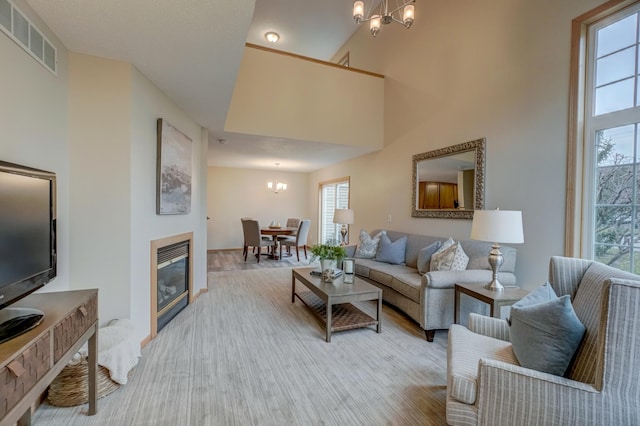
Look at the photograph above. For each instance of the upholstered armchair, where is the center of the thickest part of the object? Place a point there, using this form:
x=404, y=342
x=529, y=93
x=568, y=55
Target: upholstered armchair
x=487, y=386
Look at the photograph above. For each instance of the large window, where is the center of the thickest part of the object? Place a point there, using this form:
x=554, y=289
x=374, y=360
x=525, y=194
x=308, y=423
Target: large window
x=611, y=176
x=333, y=195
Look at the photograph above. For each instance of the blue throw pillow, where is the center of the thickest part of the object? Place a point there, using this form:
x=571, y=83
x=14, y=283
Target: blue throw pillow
x=391, y=252
x=424, y=256
x=545, y=331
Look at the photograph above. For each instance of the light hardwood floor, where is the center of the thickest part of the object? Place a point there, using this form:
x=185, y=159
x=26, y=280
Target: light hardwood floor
x=243, y=354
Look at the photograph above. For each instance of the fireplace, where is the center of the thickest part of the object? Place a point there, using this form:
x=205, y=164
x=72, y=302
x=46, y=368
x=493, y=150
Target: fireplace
x=171, y=271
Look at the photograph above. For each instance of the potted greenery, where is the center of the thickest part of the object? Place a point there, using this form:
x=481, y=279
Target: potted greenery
x=328, y=254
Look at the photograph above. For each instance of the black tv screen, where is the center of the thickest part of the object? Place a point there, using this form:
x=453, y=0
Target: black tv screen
x=27, y=230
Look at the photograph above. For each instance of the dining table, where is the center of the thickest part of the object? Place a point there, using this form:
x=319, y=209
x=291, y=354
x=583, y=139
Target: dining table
x=275, y=232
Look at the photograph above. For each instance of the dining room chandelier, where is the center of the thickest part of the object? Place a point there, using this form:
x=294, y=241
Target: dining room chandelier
x=275, y=185
x=383, y=15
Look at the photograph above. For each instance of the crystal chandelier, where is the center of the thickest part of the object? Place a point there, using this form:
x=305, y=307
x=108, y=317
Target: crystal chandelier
x=275, y=185
x=385, y=16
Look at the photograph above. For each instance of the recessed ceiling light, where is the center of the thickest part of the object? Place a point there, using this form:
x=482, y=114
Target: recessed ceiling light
x=272, y=37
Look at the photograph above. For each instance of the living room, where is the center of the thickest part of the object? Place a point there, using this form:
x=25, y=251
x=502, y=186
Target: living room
x=496, y=69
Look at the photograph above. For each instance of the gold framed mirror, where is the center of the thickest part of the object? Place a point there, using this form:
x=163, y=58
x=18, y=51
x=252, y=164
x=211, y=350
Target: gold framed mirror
x=449, y=182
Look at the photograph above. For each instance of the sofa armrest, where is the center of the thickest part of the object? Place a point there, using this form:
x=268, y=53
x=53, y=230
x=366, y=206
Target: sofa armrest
x=488, y=326
x=509, y=394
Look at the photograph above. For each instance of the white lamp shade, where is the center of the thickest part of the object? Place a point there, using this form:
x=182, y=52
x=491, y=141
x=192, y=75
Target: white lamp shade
x=497, y=226
x=344, y=216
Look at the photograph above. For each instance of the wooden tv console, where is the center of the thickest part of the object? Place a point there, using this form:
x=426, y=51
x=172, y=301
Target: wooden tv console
x=30, y=362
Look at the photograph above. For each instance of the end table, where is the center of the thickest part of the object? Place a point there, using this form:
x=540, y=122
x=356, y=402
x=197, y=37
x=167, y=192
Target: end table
x=495, y=299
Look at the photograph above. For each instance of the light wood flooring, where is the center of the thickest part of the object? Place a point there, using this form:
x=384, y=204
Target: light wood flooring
x=243, y=354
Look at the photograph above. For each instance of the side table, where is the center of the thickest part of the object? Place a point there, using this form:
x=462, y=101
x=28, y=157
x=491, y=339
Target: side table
x=495, y=299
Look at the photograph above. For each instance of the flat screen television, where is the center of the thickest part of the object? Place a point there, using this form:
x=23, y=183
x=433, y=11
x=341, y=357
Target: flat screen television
x=27, y=242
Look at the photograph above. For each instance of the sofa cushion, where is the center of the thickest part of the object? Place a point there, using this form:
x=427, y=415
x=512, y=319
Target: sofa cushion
x=545, y=331
x=391, y=252
x=408, y=284
x=368, y=245
x=465, y=351
x=381, y=276
x=452, y=258
x=424, y=257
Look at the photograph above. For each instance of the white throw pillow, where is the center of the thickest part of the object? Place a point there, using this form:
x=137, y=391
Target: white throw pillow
x=443, y=247
x=452, y=258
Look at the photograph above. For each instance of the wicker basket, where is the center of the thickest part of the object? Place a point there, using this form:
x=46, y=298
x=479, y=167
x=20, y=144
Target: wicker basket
x=70, y=387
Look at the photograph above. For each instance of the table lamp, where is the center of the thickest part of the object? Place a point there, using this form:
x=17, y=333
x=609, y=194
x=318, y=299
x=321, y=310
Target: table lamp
x=497, y=226
x=344, y=217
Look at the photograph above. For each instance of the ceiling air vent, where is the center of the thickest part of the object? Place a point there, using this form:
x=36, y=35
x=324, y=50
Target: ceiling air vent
x=19, y=29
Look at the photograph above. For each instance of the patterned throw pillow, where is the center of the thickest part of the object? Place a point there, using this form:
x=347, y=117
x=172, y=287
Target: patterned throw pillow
x=443, y=247
x=451, y=259
x=368, y=246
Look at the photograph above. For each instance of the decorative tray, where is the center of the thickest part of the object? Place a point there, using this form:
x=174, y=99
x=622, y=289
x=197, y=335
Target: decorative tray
x=275, y=227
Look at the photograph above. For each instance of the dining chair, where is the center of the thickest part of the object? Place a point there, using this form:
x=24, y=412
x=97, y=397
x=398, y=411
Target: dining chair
x=299, y=240
x=293, y=222
x=252, y=238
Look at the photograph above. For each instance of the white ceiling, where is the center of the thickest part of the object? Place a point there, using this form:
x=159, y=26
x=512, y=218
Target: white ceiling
x=192, y=51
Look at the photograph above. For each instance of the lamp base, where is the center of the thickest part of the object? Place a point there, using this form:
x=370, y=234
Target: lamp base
x=495, y=260
x=494, y=285
x=343, y=233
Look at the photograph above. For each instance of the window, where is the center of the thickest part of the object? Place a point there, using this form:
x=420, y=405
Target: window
x=610, y=225
x=333, y=195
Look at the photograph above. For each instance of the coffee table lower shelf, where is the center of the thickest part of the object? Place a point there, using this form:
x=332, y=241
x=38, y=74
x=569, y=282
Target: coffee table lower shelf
x=344, y=316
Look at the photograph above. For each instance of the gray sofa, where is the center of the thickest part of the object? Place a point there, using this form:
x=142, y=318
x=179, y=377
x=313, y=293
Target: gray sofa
x=428, y=298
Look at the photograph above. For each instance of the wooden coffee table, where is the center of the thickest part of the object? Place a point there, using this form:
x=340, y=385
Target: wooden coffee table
x=331, y=302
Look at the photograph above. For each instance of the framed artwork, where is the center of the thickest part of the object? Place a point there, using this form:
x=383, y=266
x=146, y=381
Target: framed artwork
x=174, y=170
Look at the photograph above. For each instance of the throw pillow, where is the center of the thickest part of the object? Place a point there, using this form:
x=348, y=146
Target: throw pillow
x=451, y=259
x=368, y=245
x=424, y=256
x=442, y=248
x=391, y=252
x=545, y=331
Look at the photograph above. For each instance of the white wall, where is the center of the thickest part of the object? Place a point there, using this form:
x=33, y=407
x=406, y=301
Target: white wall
x=114, y=109
x=149, y=104
x=283, y=96
x=100, y=152
x=469, y=69
x=235, y=193
x=34, y=125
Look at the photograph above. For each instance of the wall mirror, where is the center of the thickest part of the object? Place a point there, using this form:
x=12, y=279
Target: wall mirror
x=449, y=182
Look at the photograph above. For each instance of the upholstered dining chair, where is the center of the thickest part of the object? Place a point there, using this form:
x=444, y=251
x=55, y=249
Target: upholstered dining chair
x=252, y=238
x=299, y=240
x=244, y=245
x=293, y=222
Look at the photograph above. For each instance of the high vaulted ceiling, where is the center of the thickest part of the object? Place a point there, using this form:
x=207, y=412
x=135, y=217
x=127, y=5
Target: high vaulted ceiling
x=192, y=51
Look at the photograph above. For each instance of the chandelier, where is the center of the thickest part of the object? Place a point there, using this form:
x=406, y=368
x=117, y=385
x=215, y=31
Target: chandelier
x=385, y=16
x=275, y=185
